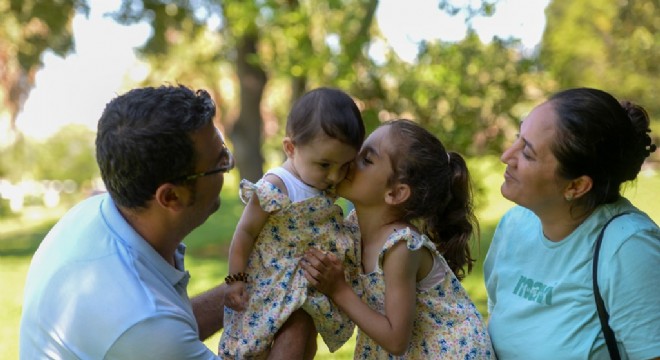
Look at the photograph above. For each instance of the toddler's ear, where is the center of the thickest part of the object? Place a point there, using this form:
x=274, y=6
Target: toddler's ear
x=288, y=147
x=398, y=194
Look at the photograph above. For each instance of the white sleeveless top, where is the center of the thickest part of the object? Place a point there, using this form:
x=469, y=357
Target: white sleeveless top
x=297, y=190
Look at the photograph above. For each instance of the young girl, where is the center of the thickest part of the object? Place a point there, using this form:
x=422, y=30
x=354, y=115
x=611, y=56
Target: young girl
x=413, y=207
x=289, y=210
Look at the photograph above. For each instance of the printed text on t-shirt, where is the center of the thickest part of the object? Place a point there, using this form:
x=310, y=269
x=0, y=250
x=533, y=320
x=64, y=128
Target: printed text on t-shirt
x=533, y=290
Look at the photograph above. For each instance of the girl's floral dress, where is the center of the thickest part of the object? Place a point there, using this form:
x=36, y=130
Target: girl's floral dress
x=447, y=323
x=277, y=286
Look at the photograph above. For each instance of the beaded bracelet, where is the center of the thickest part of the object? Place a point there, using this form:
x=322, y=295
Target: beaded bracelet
x=241, y=276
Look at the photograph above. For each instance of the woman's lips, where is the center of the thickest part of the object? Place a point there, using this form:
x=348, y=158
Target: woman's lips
x=508, y=176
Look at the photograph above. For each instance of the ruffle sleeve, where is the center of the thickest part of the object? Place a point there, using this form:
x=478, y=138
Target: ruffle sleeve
x=270, y=197
x=414, y=241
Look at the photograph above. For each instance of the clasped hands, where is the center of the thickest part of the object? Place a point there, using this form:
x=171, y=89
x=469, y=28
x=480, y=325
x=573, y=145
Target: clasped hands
x=323, y=270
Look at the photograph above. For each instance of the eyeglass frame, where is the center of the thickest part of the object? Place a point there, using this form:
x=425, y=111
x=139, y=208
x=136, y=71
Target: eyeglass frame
x=223, y=169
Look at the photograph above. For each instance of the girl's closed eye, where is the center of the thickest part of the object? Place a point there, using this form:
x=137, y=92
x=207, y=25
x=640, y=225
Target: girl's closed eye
x=366, y=160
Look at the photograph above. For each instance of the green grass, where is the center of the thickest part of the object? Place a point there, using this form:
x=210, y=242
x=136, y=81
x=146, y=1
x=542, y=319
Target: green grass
x=208, y=245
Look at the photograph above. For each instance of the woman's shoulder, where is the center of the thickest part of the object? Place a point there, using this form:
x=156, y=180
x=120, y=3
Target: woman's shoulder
x=627, y=222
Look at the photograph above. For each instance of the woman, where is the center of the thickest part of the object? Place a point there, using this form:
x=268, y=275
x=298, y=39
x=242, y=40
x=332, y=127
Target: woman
x=565, y=172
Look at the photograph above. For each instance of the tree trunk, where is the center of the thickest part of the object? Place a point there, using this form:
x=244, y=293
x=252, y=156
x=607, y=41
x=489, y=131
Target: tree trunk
x=247, y=133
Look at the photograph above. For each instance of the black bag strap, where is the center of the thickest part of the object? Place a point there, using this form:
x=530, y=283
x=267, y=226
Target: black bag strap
x=610, y=339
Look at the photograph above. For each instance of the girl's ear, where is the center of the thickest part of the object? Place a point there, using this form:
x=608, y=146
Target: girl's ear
x=288, y=147
x=398, y=194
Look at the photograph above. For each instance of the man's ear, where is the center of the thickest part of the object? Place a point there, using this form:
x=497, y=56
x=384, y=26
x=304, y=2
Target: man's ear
x=398, y=194
x=172, y=197
x=577, y=187
x=288, y=146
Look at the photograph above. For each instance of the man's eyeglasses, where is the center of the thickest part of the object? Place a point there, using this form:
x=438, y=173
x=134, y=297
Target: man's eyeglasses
x=222, y=169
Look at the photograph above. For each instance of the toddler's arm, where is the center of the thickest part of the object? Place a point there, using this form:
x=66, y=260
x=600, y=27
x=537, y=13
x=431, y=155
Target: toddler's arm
x=248, y=228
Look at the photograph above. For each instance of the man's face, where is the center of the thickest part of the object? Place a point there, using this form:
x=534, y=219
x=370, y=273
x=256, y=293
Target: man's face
x=212, y=154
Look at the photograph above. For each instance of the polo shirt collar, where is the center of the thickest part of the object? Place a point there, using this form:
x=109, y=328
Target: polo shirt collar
x=125, y=233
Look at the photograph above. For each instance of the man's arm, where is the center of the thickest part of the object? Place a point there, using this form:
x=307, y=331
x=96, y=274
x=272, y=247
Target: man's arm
x=208, y=308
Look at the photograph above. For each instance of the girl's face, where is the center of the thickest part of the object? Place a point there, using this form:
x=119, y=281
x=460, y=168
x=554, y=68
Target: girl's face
x=530, y=178
x=322, y=163
x=366, y=182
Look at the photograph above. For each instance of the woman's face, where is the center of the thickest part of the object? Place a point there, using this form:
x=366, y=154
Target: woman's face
x=531, y=179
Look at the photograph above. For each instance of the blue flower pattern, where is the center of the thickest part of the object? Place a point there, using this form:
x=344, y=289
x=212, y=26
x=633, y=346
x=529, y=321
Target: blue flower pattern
x=447, y=324
x=277, y=286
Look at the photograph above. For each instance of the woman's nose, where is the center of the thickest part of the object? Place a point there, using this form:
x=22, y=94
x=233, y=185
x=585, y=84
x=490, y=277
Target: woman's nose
x=508, y=154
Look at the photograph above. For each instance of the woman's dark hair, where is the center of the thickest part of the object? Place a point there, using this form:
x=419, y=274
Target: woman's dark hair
x=143, y=140
x=602, y=138
x=329, y=109
x=440, y=201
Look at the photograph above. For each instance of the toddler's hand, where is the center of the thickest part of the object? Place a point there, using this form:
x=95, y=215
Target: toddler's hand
x=236, y=297
x=323, y=270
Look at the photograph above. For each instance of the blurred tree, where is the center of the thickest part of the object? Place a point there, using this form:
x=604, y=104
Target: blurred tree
x=612, y=45
x=467, y=92
x=278, y=39
x=28, y=28
x=67, y=154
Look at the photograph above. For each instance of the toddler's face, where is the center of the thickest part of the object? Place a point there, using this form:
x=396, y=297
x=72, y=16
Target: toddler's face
x=323, y=162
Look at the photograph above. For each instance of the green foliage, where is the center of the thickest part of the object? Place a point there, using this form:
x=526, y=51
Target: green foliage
x=612, y=45
x=464, y=92
x=68, y=154
x=34, y=26
x=28, y=28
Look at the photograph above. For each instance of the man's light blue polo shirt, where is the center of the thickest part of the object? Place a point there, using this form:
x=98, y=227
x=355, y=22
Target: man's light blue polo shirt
x=97, y=290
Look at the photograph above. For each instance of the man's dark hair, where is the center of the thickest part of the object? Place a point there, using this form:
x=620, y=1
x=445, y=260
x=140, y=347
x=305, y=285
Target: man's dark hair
x=143, y=140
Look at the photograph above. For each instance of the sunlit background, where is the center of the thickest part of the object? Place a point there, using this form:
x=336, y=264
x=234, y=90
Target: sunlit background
x=467, y=70
x=75, y=89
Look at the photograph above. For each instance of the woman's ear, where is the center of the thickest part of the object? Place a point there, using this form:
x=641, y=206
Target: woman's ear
x=577, y=187
x=398, y=194
x=288, y=147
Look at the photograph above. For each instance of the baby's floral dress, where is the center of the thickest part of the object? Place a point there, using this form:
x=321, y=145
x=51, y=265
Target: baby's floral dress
x=277, y=286
x=447, y=324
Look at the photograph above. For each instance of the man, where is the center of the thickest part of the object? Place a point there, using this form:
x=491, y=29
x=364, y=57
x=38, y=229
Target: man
x=108, y=281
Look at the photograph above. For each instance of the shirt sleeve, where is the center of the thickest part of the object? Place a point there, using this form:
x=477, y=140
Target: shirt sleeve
x=163, y=338
x=632, y=295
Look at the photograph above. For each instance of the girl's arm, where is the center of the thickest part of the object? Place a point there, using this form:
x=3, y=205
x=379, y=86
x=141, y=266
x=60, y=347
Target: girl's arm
x=392, y=330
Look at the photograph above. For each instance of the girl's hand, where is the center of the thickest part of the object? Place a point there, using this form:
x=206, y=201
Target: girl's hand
x=236, y=297
x=324, y=271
